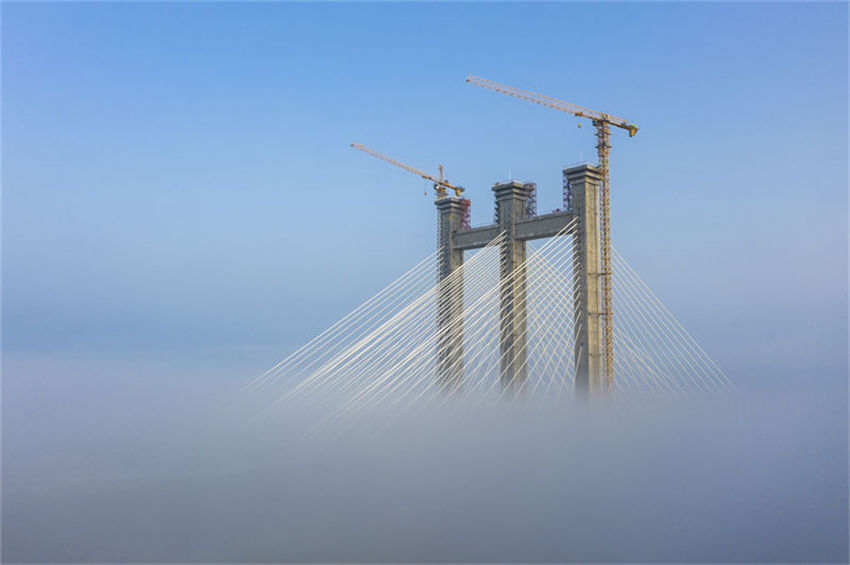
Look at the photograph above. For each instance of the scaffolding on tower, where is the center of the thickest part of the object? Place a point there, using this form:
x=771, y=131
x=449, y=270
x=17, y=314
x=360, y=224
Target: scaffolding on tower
x=465, y=204
x=568, y=194
x=531, y=203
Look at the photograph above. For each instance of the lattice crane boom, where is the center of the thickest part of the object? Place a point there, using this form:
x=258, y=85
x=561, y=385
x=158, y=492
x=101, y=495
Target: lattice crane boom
x=554, y=103
x=602, y=121
x=440, y=184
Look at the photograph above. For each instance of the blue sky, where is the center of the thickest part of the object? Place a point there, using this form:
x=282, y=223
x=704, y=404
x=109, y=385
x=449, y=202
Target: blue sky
x=177, y=177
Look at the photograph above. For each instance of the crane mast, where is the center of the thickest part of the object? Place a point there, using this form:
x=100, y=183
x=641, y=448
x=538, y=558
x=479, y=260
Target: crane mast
x=603, y=146
x=602, y=122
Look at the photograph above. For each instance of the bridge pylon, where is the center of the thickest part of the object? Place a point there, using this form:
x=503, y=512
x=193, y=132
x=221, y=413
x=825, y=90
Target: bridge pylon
x=449, y=296
x=518, y=228
x=584, y=182
x=511, y=198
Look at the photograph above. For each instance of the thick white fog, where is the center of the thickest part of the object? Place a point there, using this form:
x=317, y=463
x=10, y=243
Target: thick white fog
x=103, y=467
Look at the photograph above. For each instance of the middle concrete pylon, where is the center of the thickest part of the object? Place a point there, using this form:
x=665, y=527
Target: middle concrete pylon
x=511, y=200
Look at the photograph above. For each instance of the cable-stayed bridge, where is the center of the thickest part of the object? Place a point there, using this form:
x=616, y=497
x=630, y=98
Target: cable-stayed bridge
x=507, y=311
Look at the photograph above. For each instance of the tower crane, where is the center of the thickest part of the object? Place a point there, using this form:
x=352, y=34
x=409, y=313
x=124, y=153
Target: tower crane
x=441, y=184
x=602, y=122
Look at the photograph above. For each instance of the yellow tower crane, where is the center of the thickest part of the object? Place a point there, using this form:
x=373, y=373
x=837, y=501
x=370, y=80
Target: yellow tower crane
x=602, y=122
x=440, y=184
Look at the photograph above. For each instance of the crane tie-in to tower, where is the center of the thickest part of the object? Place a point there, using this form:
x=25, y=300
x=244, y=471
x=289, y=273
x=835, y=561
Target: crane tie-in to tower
x=602, y=122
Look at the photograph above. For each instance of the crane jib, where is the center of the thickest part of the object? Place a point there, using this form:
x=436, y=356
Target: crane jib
x=440, y=185
x=554, y=103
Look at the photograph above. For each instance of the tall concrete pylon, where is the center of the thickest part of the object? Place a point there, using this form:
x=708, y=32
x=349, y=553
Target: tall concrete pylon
x=449, y=296
x=584, y=183
x=511, y=199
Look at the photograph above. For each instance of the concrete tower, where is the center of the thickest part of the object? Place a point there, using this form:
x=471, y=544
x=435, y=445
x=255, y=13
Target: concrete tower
x=584, y=182
x=511, y=198
x=449, y=296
